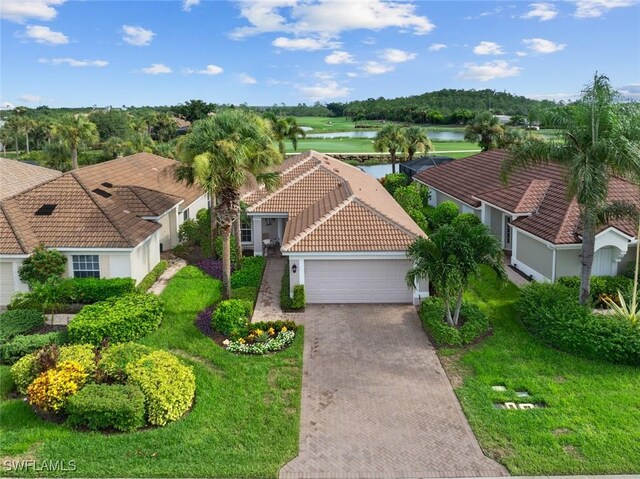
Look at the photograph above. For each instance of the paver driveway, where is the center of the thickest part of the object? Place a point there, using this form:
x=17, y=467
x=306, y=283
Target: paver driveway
x=376, y=401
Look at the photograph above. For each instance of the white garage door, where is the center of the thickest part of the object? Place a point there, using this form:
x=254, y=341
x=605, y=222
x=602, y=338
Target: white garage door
x=6, y=283
x=357, y=281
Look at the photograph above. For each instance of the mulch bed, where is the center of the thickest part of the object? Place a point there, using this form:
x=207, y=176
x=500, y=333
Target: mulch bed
x=203, y=323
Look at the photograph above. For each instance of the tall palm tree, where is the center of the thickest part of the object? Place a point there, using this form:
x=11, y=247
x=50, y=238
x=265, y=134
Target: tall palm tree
x=285, y=129
x=417, y=141
x=485, y=129
x=222, y=154
x=76, y=131
x=391, y=138
x=295, y=132
x=600, y=139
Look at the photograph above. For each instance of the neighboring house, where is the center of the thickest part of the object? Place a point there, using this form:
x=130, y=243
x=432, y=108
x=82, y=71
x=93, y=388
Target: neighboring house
x=111, y=219
x=18, y=176
x=182, y=126
x=345, y=236
x=417, y=165
x=532, y=216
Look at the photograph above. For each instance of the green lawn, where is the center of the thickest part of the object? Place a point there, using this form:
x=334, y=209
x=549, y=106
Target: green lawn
x=592, y=422
x=244, y=423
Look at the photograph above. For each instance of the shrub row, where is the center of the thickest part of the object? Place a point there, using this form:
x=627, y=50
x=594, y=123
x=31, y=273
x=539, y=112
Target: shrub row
x=19, y=321
x=120, y=319
x=250, y=274
x=601, y=287
x=552, y=314
x=21, y=345
x=287, y=303
x=152, y=277
x=432, y=314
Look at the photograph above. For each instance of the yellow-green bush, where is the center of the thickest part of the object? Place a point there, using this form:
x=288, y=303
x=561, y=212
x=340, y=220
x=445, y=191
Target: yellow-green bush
x=116, y=358
x=167, y=384
x=24, y=371
x=82, y=354
x=51, y=389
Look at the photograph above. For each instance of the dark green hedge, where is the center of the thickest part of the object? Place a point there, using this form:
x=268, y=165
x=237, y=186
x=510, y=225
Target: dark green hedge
x=552, y=314
x=250, y=274
x=601, y=286
x=152, y=277
x=22, y=345
x=432, y=314
x=19, y=321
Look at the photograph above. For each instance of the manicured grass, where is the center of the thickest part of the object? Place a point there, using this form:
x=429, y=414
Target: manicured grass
x=365, y=145
x=324, y=124
x=592, y=420
x=244, y=423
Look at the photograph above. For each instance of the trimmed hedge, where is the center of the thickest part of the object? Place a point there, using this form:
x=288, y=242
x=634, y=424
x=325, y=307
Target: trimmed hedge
x=246, y=293
x=121, y=319
x=115, y=359
x=601, y=286
x=250, y=274
x=20, y=346
x=232, y=317
x=298, y=301
x=50, y=391
x=152, y=277
x=24, y=371
x=285, y=297
x=107, y=406
x=168, y=386
x=83, y=354
x=552, y=314
x=19, y=321
x=432, y=315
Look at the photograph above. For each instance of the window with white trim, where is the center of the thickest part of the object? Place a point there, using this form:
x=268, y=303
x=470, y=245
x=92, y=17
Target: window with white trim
x=245, y=231
x=507, y=230
x=185, y=215
x=86, y=265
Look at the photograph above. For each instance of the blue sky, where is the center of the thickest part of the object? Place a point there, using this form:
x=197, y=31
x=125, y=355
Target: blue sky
x=83, y=53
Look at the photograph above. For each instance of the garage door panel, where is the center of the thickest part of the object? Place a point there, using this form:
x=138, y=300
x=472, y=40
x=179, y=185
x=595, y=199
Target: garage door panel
x=6, y=282
x=357, y=281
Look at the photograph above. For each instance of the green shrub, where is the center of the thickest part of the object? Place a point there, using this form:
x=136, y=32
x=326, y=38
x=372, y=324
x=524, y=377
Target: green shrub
x=469, y=218
x=167, y=384
x=232, y=317
x=24, y=371
x=432, y=314
x=250, y=274
x=19, y=321
x=115, y=359
x=83, y=354
x=153, y=276
x=298, y=301
x=218, y=247
x=393, y=181
x=121, y=319
x=277, y=325
x=20, y=346
x=601, y=287
x=93, y=290
x=107, y=406
x=629, y=270
x=42, y=264
x=443, y=214
x=285, y=291
x=552, y=314
x=247, y=293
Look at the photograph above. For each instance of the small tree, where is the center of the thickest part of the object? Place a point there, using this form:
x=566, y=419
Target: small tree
x=48, y=294
x=443, y=214
x=485, y=129
x=41, y=265
x=391, y=138
x=393, y=181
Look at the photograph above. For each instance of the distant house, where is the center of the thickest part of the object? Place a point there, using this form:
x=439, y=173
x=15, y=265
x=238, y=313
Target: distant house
x=532, y=216
x=183, y=126
x=503, y=119
x=111, y=219
x=417, y=165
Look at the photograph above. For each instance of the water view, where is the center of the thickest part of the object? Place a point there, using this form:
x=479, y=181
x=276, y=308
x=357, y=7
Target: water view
x=434, y=135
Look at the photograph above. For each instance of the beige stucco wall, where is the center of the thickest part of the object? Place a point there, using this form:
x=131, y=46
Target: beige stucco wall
x=568, y=262
x=193, y=209
x=145, y=256
x=533, y=254
x=494, y=221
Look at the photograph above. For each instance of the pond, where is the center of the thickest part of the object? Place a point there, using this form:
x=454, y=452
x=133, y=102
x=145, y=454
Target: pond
x=378, y=171
x=434, y=135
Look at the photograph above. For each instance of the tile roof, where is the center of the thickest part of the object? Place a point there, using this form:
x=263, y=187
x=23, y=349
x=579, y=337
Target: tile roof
x=538, y=193
x=18, y=176
x=334, y=207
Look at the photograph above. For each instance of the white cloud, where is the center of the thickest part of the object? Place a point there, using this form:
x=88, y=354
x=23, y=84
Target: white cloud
x=328, y=17
x=247, y=79
x=187, y=5
x=29, y=98
x=376, y=68
x=308, y=43
x=22, y=10
x=7, y=105
x=324, y=90
x=393, y=55
x=72, y=62
x=369, y=41
x=597, y=8
x=554, y=96
x=488, y=48
x=542, y=46
x=487, y=13
x=338, y=57
x=41, y=34
x=521, y=54
x=138, y=36
x=631, y=91
x=436, y=47
x=208, y=70
x=352, y=74
x=488, y=71
x=157, y=69
x=541, y=11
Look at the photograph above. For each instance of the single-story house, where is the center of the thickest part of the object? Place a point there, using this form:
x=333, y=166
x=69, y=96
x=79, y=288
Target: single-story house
x=537, y=224
x=417, y=165
x=343, y=233
x=112, y=219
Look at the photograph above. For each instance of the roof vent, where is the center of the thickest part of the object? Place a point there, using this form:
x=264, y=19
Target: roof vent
x=104, y=194
x=45, y=210
x=106, y=184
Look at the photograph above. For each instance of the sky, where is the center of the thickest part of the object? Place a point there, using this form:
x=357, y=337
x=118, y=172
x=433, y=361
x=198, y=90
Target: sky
x=65, y=53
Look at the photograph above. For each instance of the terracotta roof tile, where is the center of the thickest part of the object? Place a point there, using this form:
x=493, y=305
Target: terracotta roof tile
x=18, y=176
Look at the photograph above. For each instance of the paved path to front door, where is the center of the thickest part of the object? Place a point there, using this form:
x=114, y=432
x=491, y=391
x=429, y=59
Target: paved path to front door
x=268, y=302
x=376, y=401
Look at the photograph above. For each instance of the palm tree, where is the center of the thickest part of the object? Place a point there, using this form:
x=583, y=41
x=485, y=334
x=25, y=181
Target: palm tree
x=485, y=129
x=57, y=156
x=295, y=132
x=450, y=257
x=76, y=131
x=285, y=129
x=417, y=141
x=222, y=154
x=28, y=125
x=600, y=139
x=391, y=138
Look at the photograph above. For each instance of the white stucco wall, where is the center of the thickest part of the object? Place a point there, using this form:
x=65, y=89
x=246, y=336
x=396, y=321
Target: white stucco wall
x=193, y=209
x=145, y=256
x=9, y=281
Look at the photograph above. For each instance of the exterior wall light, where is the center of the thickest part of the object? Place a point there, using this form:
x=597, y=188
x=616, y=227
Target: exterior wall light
x=294, y=268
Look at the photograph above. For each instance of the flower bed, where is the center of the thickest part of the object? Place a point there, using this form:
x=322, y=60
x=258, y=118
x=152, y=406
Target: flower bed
x=265, y=338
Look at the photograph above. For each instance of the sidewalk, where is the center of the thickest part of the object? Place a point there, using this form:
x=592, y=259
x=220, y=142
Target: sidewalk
x=268, y=302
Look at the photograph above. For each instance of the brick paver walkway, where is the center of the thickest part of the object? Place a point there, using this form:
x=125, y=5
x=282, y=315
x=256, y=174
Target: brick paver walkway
x=268, y=302
x=376, y=401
